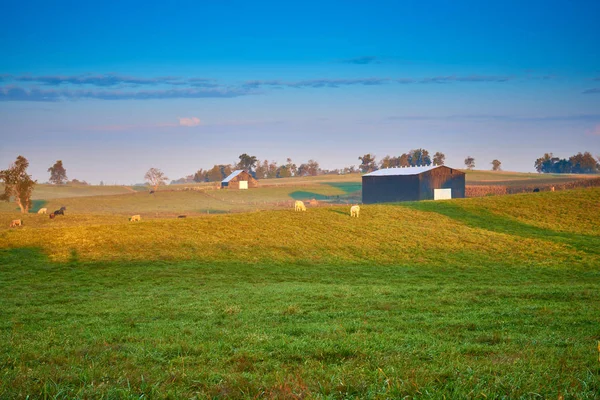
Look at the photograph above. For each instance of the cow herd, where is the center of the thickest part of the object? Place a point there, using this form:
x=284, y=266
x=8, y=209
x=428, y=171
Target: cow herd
x=19, y=222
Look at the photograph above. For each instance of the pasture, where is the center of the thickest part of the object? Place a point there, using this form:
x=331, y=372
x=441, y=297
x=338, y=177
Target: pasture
x=486, y=297
x=204, y=198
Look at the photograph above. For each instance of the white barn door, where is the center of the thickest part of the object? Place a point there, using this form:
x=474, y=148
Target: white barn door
x=243, y=184
x=442, y=194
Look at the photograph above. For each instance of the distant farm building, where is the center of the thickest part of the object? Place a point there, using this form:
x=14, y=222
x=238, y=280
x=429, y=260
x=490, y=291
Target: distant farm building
x=412, y=183
x=239, y=179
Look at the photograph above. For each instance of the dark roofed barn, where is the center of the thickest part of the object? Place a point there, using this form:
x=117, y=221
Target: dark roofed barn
x=239, y=179
x=413, y=183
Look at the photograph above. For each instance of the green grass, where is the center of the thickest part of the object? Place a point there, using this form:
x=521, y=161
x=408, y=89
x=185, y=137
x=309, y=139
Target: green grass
x=474, y=298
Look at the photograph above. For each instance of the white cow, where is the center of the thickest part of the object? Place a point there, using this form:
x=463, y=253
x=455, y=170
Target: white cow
x=42, y=211
x=15, y=223
x=354, y=211
x=299, y=206
x=135, y=218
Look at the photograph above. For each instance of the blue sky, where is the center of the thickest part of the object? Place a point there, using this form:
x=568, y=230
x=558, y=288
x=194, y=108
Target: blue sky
x=114, y=88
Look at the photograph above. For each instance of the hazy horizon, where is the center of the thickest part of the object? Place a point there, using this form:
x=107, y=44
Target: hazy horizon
x=115, y=90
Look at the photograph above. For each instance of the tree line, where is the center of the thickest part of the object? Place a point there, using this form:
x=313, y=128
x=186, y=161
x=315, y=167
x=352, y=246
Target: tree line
x=580, y=163
x=18, y=185
x=260, y=170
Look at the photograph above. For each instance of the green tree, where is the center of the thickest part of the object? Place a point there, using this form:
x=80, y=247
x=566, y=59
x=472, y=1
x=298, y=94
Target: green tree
x=545, y=163
x=291, y=167
x=214, y=174
x=386, y=162
x=247, y=162
x=418, y=157
x=284, y=172
x=583, y=163
x=18, y=184
x=403, y=160
x=469, y=163
x=311, y=168
x=439, y=158
x=58, y=173
x=496, y=165
x=226, y=170
x=155, y=177
x=272, y=170
x=260, y=172
x=367, y=163
x=200, y=176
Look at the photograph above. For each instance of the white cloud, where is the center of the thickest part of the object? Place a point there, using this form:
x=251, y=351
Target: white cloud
x=191, y=121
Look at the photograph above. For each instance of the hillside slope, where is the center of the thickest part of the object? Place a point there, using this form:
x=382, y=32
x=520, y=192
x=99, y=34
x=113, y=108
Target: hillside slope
x=542, y=228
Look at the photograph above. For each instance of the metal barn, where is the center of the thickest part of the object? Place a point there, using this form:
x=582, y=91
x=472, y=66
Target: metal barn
x=412, y=183
x=239, y=179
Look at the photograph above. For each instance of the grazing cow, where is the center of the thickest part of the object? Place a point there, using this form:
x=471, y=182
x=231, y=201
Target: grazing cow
x=354, y=211
x=299, y=206
x=63, y=208
x=15, y=223
x=59, y=212
x=152, y=192
x=42, y=211
x=552, y=189
x=52, y=216
x=181, y=216
x=536, y=190
x=135, y=218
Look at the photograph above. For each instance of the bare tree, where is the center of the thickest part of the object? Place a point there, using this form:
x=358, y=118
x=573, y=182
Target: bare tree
x=155, y=177
x=18, y=184
x=470, y=163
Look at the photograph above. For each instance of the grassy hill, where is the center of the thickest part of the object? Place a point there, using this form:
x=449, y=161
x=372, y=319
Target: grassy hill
x=487, y=297
x=427, y=231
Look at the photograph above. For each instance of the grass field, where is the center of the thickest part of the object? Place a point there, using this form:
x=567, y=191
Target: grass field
x=174, y=200
x=472, y=298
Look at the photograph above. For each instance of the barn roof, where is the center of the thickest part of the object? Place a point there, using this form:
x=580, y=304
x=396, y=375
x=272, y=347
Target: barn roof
x=232, y=175
x=403, y=171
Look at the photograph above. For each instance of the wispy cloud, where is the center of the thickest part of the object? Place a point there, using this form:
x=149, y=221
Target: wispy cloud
x=469, y=78
x=320, y=83
x=190, y=122
x=11, y=93
x=121, y=87
x=490, y=117
x=591, y=91
x=336, y=83
x=103, y=80
x=362, y=60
